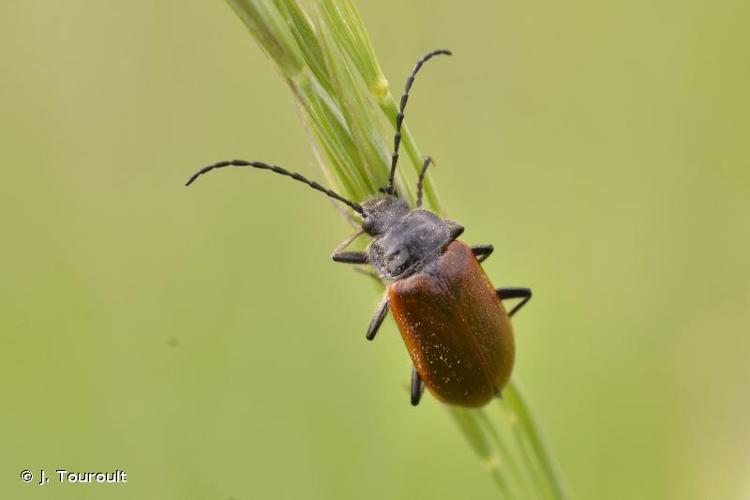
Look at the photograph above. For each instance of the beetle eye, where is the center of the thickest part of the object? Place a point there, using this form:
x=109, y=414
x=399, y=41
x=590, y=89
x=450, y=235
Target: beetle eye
x=368, y=224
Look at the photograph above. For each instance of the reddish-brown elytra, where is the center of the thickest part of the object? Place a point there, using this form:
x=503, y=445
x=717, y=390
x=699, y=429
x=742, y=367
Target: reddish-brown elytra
x=453, y=322
x=455, y=328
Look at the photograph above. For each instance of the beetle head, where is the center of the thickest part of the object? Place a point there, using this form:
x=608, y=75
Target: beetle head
x=383, y=212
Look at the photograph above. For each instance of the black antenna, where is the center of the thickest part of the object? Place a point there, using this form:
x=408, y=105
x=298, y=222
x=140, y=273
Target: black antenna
x=400, y=116
x=275, y=168
x=420, y=182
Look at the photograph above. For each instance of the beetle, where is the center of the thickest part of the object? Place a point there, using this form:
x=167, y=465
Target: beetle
x=451, y=318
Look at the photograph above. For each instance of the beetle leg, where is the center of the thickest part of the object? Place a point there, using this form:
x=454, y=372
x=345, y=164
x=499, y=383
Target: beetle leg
x=349, y=257
x=515, y=293
x=378, y=317
x=455, y=228
x=368, y=272
x=417, y=387
x=481, y=252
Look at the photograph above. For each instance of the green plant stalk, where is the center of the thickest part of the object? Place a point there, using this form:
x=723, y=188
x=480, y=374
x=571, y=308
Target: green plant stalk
x=529, y=430
x=489, y=457
x=327, y=59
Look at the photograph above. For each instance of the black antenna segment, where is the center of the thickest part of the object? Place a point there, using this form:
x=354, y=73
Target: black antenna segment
x=400, y=116
x=275, y=168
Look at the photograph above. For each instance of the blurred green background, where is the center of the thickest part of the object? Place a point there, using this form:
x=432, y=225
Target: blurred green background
x=203, y=341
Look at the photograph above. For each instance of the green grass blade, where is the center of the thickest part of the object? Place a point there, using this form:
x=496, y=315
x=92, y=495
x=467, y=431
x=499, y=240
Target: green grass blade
x=303, y=31
x=529, y=430
x=268, y=27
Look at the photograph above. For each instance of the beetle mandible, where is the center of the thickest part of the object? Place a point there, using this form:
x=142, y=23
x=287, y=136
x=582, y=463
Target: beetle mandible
x=452, y=320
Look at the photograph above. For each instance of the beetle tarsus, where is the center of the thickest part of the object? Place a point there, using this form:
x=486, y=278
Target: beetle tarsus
x=515, y=293
x=417, y=387
x=481, y=252
x=377, y=318
x=350, y=257
x=455, y=228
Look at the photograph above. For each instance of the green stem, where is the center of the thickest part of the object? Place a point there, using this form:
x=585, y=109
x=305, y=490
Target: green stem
x=530, y=431
x=475, y=434
x=505, y=451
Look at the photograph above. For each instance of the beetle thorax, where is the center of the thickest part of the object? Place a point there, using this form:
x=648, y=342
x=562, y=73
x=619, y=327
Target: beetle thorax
x=404, y=241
